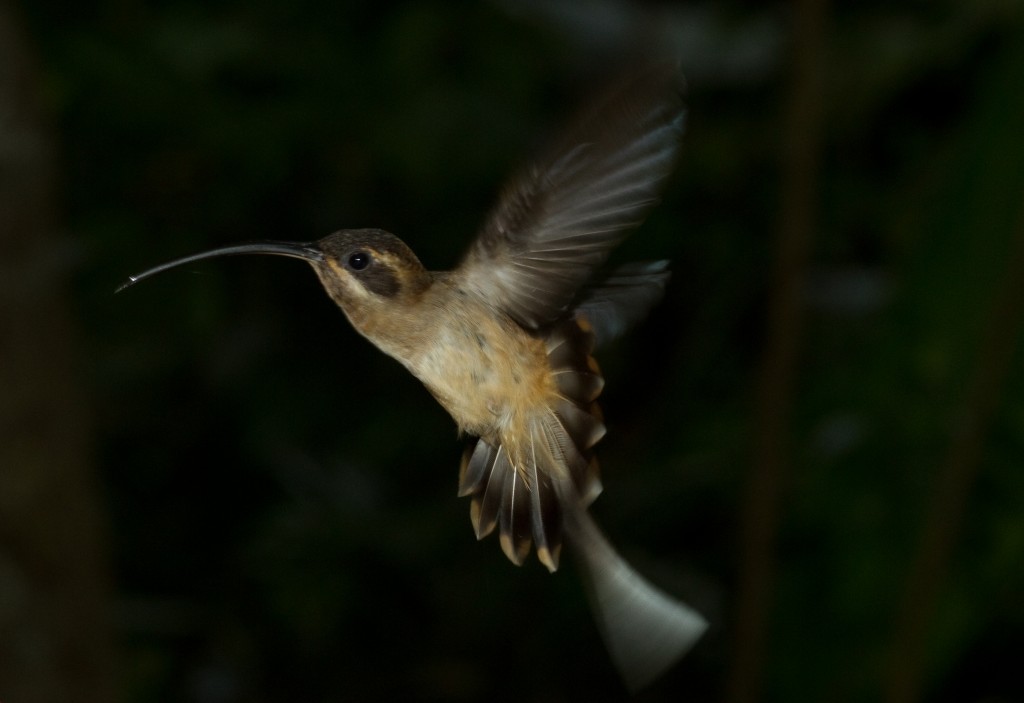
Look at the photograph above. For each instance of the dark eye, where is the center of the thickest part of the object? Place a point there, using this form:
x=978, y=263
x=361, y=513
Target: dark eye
x=358, y=261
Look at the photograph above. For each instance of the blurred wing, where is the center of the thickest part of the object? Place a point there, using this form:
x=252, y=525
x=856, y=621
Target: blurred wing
x=612, y=305
x=557, y=222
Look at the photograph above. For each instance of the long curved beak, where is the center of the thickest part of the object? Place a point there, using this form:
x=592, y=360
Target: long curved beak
x=307, y=251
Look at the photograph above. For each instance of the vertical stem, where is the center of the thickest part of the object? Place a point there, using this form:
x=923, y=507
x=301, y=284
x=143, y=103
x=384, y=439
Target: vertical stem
x=949, y=501
x=55, y=631
x=777, y=375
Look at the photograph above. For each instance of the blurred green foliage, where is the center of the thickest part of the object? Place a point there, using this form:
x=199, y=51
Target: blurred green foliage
x=281, y=496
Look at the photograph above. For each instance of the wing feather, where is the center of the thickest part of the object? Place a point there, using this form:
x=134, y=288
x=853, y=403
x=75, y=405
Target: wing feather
x=558, y=220
x=621, y=298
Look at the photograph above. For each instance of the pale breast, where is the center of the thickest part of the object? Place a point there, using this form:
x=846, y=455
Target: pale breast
x=486, y=371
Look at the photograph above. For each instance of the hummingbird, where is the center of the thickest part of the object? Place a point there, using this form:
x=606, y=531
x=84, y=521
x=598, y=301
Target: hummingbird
x=505, y=343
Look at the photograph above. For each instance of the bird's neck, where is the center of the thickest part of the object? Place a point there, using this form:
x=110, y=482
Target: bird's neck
x=401, y=327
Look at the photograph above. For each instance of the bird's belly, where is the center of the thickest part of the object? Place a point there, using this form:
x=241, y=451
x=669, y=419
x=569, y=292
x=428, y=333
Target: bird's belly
x=489, y=377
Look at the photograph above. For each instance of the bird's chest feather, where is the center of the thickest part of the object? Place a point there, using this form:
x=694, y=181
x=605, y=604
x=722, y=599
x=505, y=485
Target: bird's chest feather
x=489, y=374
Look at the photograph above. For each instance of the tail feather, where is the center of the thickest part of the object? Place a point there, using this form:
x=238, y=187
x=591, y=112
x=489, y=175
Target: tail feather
x=547, y=520
x=487, y=501
x=536, y=490
x=579, y=424
x=580, y=463
x=511, y=485
x=521, y=502
x=582, y=427
x=645, y=630
x=514, y=523
x=476, y=466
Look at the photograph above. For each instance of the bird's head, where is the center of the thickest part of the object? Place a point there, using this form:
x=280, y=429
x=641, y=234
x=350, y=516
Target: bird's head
x=366, y=270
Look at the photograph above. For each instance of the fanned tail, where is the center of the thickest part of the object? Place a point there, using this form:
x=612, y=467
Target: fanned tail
x=523, y=506
x=518, y=495
x=536, y=489
x=511, y=482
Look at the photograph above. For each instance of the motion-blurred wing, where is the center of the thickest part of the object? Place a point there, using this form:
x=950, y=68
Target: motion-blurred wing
x=618, y=301
x=557, y=222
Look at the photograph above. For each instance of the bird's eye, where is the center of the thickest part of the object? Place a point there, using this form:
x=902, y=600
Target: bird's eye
x=358, y=261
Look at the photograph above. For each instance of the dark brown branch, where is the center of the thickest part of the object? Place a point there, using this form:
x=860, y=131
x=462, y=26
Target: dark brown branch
x=777, y=376
x=55, y=644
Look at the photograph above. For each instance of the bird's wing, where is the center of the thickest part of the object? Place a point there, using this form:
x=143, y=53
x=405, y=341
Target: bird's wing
x=611, y=305
x=558, y=220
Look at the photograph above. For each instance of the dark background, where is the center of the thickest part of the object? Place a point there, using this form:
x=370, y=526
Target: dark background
x=213, y=490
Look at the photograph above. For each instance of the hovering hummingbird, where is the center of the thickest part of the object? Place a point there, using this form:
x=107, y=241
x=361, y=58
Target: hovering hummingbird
x=504, y=343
